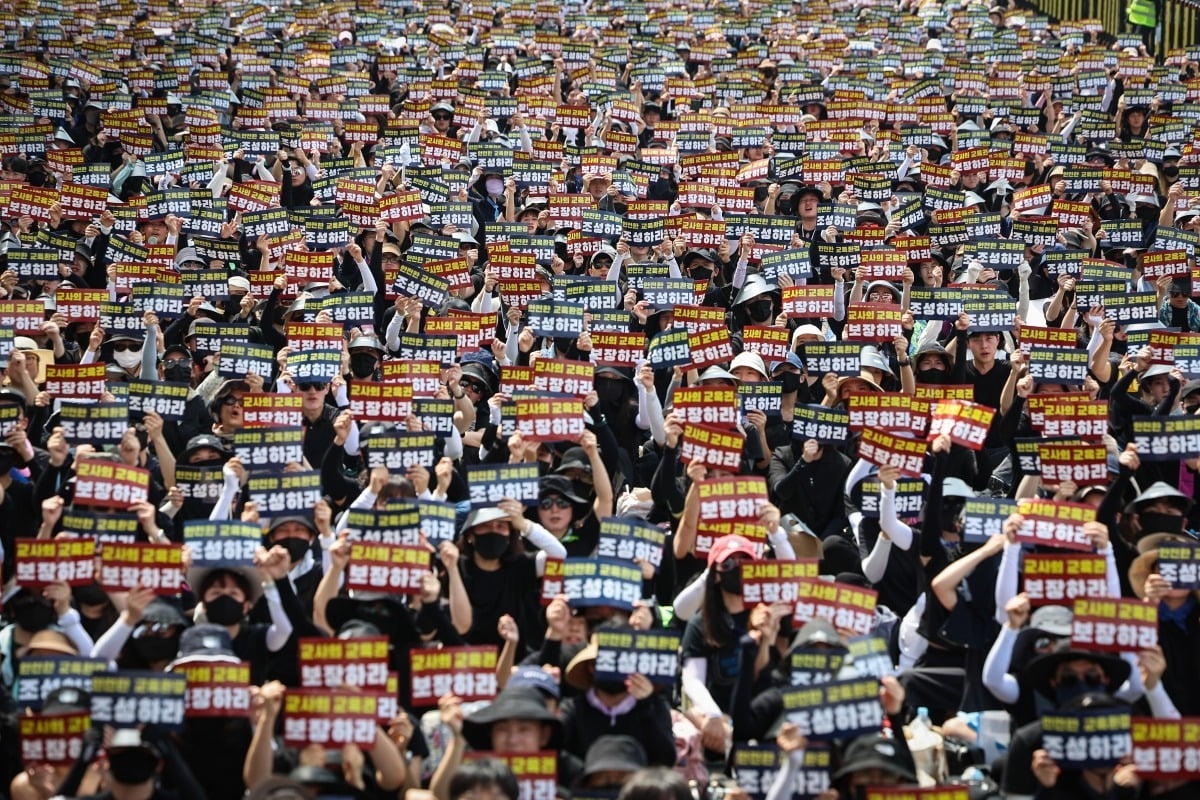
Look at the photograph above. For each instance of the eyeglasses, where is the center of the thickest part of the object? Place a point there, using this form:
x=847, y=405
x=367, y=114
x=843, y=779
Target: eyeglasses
x=733, y=562
x=553, y=501
x=121, y=347
x=232, y=400
x=175, y=362
x=311, y=387
x=443, y=117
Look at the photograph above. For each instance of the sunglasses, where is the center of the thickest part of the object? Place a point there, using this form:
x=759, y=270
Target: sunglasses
x=732, y=563
x=1175, y=293
x=311, y=387
x=1093, y=677
x=443, y=117
x=121, y=347
x=472, y=385
x=232, y=400
x=554, y=501
x=175, y=362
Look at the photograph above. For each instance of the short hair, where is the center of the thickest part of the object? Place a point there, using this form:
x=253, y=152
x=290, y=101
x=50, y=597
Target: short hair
x=215, y=575
x=655, y=783
x=484, y=773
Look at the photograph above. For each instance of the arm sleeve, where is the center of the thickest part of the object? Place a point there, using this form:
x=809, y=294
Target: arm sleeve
x=995, y=668
x=687, y=602
x=109, y=645
x=695, y=671
x=281, y=626
x=224, y=503
x=72, y=628
x=900, y=534
x=150, y=355
x=875, y=564
x=781, y=544
x=782, y=788
x=1006, y=579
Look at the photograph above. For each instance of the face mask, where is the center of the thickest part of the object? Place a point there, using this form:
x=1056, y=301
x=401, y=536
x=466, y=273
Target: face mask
x=791, y=382
x=36, y=616
x=1171, y=171
x=731, y=581
x=362, y=364
x=89, y=595
x=296, y=548
x=930, y=375
x=700, y=273
x=491, y=545
x=1072, y=688
x=152, y=648
x=1153, y=522
x=224, y=611
x=1147, y=214
x=584, y=490
x=178, y=374
x=152, y=240
x=494, y=186
x=610, y=392
x=132, y=766
x=128, y=359
x=759, y=310
x=610, y=687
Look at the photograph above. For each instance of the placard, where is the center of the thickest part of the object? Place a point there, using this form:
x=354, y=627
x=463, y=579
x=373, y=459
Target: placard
x=774, y=581
x=706, y=405
x=282, y=493
x=165, y=398
x=1172, y=438
x=468, y=672
x=1085, y=464
x=840, y=358
x=398, y=524
x=1179, y=564
x=966, y=423
x=836, y=710
x=631, y=540
x=888, y=450
x=377, y=567
x=215, y=689
x=109, y=485
x=258, y=448
x=327, y=663
x=552, y=419
x=130, y=698
x=41, y=562
x=54, y=739
x=1114, y=625
x=489, y=484
x=152, y=566
x=330, y=717
x=715, y=447
x=96, y=423
x=536, y=773
x=38, y=676
x=1058, y=365
x=653, y=654
x=845, y=606
x=601, y=582
x=1060, y=578
x=1087, y=739
x=825, y=425
x=1166, y=749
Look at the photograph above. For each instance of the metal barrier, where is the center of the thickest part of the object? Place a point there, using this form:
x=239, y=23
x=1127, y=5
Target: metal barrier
x=1178, y=22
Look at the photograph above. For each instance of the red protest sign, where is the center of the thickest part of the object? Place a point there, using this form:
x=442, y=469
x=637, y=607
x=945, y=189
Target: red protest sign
x=1114, y=625
x=1166, y=749
x=734, y=498
x=331, y=663
x=808, y=301
x=216, y=689
x=1055, y=523
x=884, y=264
x=308, y=266
x=1085, y=464
x=72, y=381
x=872, y=322
x=110, y=485
x=1157, y=263
x=330, y=718
x=81, y=305
x=553, y=419
x=774, y=581
x=82, y=202
x=304, y=336
x=155, y=566
x=715, y=447
x=381, y=402
x=54, y=739
x=272, y=410
x=707, y=405
x=773, y=344
x=253, y=196
x=845, y=606
x=24, y=317
x=617, y=349
x=536, y=773
x=466, y=672
x=893, y=412
x=41, y=562
x=563, y=376
x=1079, y=419
x=966, y=423
x=710, y=346
x=1058, y=578
x=885, y=449
x=377, y=567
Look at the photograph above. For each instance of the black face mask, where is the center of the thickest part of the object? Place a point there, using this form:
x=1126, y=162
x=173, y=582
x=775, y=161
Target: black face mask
x=36, y=616
x=208, y=463
x=759, y=310
x=89, y=595
x=610, y=687
x=1071, y=688
x=1154, y=522
x=584, y=490
x=152, y=648
x=296, y=548
x=700, y=273
x=224, y=611
x=363, y=364
x=791, y=382
x=1147, y=214
x=731, y=581
x=930, y=375
x=1171, y=171
x=611, y=392
x=178, y=373
x=491, y=545
x=132, y=766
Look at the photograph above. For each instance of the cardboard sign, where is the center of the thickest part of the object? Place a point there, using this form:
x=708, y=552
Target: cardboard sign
x=130, y=698
x=97, y=423
x=1166, y=749
x=1056, y=523
x=775, y=581
x=41, y=562
x=601, y=582
x=1167, y=438
x=885, y=449
x=215, y=689
x=110, y=485
x=152, y=566
x=1087, y=739
x=706, y=405
x=398, y=524
x=716, y=447
x=395, y=569
x=652, y=654
x=75, y=381
x=331, y=663
x=1059, y=579
x=489, y=484
x=1114, y=625
x=1086, y=464
x=846, y=607
x=55, y=739
x=553, y=419
x=825, y=425
x=1179, y=564
x=836, y=710
x=894, y=412
x=966, y=423
x=1087, y=419
x=631, y=540
x=467, y=672
x=259, y=448
x=329, y=717
x=38, y=676
x=381, y=402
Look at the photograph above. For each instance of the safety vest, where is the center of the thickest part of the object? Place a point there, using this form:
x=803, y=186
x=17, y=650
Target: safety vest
x=1142, y=12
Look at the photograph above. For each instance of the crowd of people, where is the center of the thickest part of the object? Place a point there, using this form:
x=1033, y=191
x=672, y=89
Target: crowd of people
x=664, y=400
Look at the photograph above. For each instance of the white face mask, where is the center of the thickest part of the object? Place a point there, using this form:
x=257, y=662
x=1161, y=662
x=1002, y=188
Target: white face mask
x=152, y=239
x=494, y=186
x=127, y=359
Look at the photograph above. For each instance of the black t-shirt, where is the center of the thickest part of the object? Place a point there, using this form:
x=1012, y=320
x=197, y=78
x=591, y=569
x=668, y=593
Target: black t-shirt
x=513, y=589
x=988, y=388
x=722, y=664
